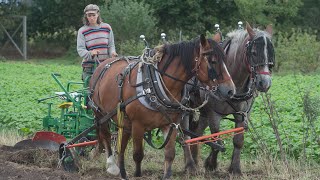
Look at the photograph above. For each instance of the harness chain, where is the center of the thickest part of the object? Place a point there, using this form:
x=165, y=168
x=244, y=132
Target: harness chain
x=120, y=80
x=251, y=87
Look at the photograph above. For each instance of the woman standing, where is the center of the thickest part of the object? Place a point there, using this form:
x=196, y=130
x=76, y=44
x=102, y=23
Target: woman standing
x=95, y=38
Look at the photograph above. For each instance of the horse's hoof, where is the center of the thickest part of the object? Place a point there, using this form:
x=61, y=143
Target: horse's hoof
x=210, y=166
x=191, y=170
x=166, y=176
x=235, y=172
x=112, y=167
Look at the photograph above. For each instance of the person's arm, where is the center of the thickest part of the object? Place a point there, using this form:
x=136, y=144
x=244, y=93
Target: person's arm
x=112, y=48
x=81, y=47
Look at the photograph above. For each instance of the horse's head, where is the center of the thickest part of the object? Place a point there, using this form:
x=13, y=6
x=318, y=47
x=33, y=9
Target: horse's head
x=260, y=54
x=211, y=69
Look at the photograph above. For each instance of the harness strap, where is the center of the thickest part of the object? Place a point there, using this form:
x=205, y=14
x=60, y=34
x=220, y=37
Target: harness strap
x=148, y=138
x=120, y=79
x=104, y=119
x=176, y=79
x=122, y=76
x=105, y=68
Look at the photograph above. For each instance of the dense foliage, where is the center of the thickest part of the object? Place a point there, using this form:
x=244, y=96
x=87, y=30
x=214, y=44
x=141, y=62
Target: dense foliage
x=297, y=51
x=52, y=24
x=129, y=20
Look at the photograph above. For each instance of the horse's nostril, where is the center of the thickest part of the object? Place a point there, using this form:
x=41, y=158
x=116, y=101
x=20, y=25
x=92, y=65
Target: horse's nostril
x=230, y=93
x=260, y=83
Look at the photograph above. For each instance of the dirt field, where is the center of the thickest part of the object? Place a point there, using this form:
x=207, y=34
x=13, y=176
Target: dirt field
x=17, y=164
x=36, y=164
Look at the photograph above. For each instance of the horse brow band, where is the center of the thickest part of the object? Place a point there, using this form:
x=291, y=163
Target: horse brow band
x=207, y=52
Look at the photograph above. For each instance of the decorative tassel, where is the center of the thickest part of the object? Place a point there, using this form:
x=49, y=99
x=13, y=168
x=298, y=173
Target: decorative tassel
x=120, y=127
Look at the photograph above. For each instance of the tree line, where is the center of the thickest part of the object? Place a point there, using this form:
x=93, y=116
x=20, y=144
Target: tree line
x=56, y=21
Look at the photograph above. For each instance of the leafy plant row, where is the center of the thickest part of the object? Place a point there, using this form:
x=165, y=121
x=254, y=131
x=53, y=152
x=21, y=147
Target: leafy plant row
x=23, y=83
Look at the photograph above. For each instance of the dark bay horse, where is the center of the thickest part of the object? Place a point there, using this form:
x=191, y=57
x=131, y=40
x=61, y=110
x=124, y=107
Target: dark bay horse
x=249, y=59
x=115, y=88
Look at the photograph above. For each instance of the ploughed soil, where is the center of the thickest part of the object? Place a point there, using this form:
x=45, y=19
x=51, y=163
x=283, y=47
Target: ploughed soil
x=26, y=164
x=41, y=164
x=34, y=164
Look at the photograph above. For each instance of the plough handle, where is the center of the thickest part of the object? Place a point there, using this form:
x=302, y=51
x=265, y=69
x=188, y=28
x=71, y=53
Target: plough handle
x=211, y=144
x=214, y=134
x=89, y=143
x=50, y=97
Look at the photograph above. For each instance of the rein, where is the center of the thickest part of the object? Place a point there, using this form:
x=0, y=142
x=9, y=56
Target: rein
x=247, y=59
x=184, y=108
x=176, y=79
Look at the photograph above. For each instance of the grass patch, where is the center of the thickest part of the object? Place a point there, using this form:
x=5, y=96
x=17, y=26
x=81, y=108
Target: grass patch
x=9, y=137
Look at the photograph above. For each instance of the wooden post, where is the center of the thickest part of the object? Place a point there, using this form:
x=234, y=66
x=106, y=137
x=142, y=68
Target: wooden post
x=24, y=37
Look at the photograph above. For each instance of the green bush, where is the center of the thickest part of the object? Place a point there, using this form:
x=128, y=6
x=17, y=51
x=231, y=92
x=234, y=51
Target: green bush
x=297, y=50
x=129, y=20
x=130, y=48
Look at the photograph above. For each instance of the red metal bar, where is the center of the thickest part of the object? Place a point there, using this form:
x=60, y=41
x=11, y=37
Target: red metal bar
x=214, y=134
x=89, y=143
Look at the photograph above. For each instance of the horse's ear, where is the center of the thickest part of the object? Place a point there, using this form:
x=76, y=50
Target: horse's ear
x=217, y=37
x=203, y=40
x=250, y=30
x=269, y=29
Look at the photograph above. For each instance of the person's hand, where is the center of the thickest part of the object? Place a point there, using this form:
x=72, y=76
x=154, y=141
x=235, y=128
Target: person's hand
x=114, y=54
x=94, y=52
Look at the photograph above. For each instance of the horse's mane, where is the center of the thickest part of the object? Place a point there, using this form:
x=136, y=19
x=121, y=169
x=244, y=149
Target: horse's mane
x=184, y=50
x=187, y=51
x=240, y=34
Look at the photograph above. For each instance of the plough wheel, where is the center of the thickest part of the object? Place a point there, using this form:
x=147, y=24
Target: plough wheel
x=68, y=159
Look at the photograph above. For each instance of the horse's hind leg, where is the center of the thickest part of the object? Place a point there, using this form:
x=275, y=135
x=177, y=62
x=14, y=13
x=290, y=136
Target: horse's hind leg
x=237, y=144
x=105, y=138
x=124, y=143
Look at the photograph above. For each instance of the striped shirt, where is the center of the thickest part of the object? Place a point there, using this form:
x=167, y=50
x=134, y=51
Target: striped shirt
x=95, y=37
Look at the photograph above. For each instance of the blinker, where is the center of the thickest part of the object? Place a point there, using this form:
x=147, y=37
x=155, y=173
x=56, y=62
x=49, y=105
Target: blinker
x=212, y=74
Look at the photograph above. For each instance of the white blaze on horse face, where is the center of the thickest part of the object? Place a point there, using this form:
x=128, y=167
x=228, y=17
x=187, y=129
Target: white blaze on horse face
x=264, y=77
x=266, y=67
x=226, y=70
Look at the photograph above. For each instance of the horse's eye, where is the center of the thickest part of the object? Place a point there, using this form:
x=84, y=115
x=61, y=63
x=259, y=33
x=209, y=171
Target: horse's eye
x=254, y=53
x=212, y=60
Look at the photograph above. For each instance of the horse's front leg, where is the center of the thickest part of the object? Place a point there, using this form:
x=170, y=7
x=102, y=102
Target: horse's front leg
x=138, y=154
x=198, y=128
x=169, y=152
x=211, y=162
x=237, y=146
x=190, y=165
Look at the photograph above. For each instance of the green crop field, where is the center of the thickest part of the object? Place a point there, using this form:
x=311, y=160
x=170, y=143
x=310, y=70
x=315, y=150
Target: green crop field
x=23, y=82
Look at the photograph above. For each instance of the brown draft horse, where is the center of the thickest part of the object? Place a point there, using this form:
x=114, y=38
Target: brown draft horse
x=249, y=59
x=115, y=81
